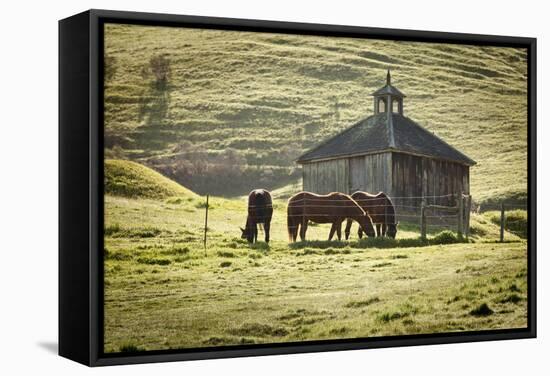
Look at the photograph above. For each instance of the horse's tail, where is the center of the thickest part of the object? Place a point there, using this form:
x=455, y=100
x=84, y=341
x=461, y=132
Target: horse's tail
x=389, y=211
x=290, y=226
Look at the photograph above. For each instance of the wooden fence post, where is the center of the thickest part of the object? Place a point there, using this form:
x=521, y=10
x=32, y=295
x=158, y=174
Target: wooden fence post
x=205, y=224
x=468, y=209
x=502, y=219
x=460, y=215
x=423, y=220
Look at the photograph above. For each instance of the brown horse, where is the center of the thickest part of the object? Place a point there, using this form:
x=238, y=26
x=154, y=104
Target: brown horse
x=381, y=210
x=331, y=208
x=260, y=211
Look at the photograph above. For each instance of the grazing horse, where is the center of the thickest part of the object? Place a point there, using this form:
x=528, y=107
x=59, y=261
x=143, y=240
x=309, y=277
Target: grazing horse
x=331, y=208
x=381, y=210
x=260, y=211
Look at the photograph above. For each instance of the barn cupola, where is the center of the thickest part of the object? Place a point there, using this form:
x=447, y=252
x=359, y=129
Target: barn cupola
x=388, y=98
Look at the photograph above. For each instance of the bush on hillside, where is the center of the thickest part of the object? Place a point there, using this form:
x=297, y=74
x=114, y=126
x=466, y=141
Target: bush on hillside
x=445, y=237
x=130, y=179
x=159, y=68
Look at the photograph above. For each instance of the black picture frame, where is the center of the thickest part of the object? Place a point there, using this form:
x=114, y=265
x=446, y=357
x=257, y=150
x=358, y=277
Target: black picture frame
x=81, y=186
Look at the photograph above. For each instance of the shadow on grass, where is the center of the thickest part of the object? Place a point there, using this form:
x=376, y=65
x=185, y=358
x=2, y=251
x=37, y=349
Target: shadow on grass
x=444, y=237
x=260, y=246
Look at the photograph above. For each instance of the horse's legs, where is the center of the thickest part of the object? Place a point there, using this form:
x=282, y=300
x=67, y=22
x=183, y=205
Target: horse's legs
x=295, y=231
x=255, y=228
x=267, y=224
x=338, y=230
x=348, y=228
x=378, y=231
x=303, y=229
x=384, y=229
x=332, y=229
x=360, y=233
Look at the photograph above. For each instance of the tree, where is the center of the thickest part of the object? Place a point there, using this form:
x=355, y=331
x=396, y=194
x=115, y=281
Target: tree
x=159, y=69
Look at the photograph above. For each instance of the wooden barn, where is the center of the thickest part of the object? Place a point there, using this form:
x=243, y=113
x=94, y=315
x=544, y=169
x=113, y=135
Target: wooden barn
x=388, y=152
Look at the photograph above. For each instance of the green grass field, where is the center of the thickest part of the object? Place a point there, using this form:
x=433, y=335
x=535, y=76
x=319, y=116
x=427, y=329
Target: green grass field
x=237, y=109
x=262, y=99
x=164, y=290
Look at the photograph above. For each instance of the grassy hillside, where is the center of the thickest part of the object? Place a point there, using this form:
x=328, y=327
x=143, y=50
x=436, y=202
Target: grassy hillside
x=130, y=179
x=164, y=290
x=236, y=101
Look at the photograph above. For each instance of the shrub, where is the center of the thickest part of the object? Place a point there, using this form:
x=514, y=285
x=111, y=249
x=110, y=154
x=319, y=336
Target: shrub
x=445, y=237
x=159, y=68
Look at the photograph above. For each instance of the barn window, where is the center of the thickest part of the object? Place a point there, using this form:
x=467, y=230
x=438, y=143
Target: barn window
x=397, y=106
x=381, y=105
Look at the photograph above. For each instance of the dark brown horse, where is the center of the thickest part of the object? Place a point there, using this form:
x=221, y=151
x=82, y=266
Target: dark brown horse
x=381, y=210
x=260, y=211
x=331, y=208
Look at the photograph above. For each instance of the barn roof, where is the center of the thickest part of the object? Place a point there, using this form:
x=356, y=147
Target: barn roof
x=389, y=89
x=385, y=132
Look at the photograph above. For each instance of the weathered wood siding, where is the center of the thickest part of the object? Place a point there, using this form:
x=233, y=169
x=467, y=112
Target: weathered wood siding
x=416, y=177
x=327, y=176
x=406, y=178
x=371, y=173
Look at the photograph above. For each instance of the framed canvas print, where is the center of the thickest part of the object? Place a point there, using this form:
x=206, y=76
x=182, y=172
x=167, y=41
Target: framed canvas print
x=239, y=187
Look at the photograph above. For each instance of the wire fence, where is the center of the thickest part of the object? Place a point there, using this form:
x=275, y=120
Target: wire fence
x=449, y=211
